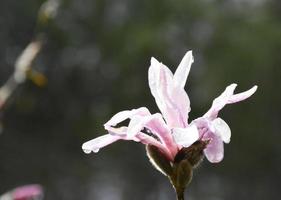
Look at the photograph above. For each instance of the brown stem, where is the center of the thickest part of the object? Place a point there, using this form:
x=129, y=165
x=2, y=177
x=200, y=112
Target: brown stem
x=180, y=194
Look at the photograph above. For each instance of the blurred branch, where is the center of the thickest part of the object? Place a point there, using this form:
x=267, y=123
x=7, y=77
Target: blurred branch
x=23, y=64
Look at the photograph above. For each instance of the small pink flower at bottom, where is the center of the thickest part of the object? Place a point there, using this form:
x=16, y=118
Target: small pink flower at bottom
x=26, y=192
x=169, y=131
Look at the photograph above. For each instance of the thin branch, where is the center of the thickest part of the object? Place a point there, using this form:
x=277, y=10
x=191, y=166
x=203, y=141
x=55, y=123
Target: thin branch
x=23, y=64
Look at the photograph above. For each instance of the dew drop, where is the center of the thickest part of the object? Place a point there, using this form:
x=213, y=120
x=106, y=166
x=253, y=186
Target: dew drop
x=96, y=150
x=87, y=151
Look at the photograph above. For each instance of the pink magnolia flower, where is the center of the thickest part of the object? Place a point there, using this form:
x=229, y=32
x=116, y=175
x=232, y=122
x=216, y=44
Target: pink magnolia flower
x=170, y=131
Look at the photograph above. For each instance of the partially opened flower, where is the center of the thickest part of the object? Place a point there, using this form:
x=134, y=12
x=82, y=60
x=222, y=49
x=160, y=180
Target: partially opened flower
x=173, y=145
x=164, y=131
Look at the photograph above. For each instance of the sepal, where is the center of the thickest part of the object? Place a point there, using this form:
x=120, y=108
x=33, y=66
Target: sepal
x=159, y=160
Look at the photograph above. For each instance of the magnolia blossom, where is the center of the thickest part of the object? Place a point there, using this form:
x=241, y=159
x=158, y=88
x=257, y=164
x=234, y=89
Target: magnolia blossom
x=169, y=130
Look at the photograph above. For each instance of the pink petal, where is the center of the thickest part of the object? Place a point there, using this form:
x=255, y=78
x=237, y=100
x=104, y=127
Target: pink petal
x=227, y=97
x=215, y=132
x=157, y=126
x=171, y=101
x=243, y=95
x=159, y=85
x=136, y=124
x=122, y=133
x=182, y=106
x=183, y=69
x=222, y=129
x=186, y=136
x=178, y=94
x=96, y=144
x=204, y=126
x=27, y=192
x=116, y=134
x=123, y=115
x=214, y=150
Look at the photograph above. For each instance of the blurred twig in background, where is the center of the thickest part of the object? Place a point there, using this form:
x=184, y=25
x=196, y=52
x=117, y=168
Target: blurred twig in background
x=23, y=64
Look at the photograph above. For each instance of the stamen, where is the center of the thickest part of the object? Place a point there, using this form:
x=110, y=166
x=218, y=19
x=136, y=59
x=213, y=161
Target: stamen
x=150, y=133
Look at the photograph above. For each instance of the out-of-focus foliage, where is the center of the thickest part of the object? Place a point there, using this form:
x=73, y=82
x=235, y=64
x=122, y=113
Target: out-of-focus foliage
x=96, y=60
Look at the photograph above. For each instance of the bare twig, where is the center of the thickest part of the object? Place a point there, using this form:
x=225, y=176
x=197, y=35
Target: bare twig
x=23, y=64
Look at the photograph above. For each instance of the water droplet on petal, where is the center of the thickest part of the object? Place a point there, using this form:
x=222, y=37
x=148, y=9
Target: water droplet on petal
x=87, y=151
x=96, y=150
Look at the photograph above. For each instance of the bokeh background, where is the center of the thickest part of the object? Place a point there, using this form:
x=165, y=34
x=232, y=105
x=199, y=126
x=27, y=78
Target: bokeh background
x=96, y=59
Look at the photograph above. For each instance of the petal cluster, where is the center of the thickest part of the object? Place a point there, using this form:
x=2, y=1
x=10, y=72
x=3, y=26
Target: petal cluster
x=169, y=130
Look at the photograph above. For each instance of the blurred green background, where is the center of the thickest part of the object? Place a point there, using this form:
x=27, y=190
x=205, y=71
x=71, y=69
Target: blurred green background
x=96, y=60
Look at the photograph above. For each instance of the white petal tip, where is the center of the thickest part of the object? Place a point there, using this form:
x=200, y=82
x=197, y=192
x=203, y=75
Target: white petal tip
x=189, y=55
x=215, y=158
x=233, y=85
x=106, y=125
x=154, y=61
x=254, y=88
x=250, y=92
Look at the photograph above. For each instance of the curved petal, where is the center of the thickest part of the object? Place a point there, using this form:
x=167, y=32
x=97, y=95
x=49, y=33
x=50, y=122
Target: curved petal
x=222, y=129
x=96, y=144
x=214, y=150
x=122, y=133
x=243, y=95
x=178, y=94
x=159, y=79
x=182, y=102
x=208, y=132
x=25, y=192
x=204, y=127
x=160, y=82
x=123, y=115
x=186, y=136
x=168, y=98
x=227, y=97
x=183, y=69
x=136, y=124
x=158, y=128
x=116, y=134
